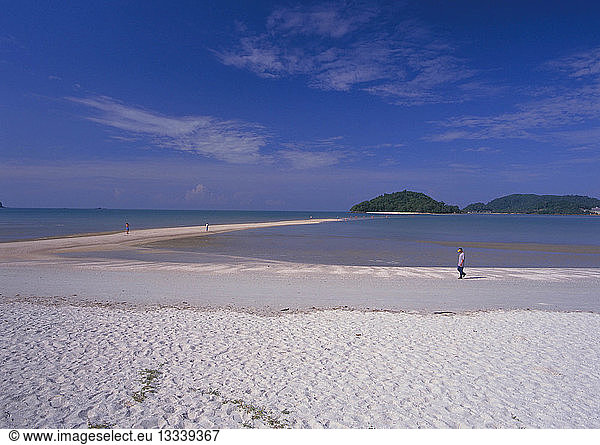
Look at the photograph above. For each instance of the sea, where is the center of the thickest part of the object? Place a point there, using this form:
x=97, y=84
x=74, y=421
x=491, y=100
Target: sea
x=362, y=240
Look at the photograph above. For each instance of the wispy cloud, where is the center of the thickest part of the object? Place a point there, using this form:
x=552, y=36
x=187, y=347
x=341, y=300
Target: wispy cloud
x=588, y=136
x=226, y=140
x=533, y=120
x=465, y=168
x=314, y=154
x=322, y=20
x=197, y=192
x=482, y=150
x=346, y=46
x=308, y=159
x=578, y=65
x=586, y=160
x=449, y=136
x=557, y=111
x=384, y=145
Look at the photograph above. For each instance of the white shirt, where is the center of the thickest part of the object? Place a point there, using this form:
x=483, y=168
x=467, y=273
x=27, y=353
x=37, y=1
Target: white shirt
x=461, y=259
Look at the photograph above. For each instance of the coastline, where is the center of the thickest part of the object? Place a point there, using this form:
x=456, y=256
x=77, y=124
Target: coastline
x=273, y=344
x=48, y=247
x=481, y=213
x=406, y=213
x=44, y=268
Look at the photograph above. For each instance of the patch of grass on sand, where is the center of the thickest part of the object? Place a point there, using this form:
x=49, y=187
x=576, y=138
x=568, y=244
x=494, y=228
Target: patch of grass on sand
x=255, y=412
x=150, y=382
x=258, y=413
x=520, y=423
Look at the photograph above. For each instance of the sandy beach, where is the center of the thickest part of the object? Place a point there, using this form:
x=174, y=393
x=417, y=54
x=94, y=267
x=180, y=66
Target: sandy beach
x=255, y=343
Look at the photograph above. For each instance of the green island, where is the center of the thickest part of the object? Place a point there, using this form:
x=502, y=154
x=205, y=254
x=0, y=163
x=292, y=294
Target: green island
x=405, y=201
x=537, y=204
x=408, y=201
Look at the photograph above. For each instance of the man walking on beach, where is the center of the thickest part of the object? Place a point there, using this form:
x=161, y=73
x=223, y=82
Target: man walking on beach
x=461, y=263
x=126, y=228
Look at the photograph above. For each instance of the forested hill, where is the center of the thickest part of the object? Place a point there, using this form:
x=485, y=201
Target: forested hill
x=405, y=201
x=540, y=204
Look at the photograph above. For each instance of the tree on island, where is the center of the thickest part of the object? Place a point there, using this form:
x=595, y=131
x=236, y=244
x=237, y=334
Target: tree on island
x=404, y=201
x=407, y=201
x=536, y=204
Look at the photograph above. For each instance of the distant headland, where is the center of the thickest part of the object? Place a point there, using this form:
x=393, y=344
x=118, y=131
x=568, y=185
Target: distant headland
x=405, y=201
x=414, y=202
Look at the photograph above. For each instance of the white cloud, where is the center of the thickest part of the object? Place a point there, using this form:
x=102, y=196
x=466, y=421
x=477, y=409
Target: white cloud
x=229, y=141
x=346, y=46
x=324, y=20
x=449, y=136
x=314, y=154
x=558, y=111
x=587, y=160
x=582, y=64
x=482, y=150
x=310, y=159
x=197, y=192
x=384, y=145
x=532, y=121
x=587, y=136
x=234, y=142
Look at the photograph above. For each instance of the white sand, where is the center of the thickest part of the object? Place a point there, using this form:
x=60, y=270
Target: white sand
x=277, y=285
x=70, y=361
x=72, y=366
x=47, y=248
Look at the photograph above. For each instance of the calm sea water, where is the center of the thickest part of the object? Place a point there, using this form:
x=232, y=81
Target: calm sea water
x=403, y=240
x=415, y=240
x=18, y=224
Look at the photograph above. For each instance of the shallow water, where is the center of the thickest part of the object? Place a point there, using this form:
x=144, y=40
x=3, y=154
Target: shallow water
x=18, y=224
x=396, y=240
x=414, y=240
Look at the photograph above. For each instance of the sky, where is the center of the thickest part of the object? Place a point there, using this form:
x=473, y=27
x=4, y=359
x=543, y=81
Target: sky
x=283, y=105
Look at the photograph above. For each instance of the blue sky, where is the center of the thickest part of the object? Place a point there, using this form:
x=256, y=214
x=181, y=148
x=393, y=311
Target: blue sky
x=295, y=105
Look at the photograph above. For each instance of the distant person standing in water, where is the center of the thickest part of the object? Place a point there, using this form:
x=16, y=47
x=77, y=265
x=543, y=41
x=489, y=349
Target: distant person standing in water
x=126, y=228
x=207, y=227
x=461, y=263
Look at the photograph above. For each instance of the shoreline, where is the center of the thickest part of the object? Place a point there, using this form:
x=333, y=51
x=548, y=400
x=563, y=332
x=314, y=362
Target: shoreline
x=43, y=268
x=47, y=247
x=276, y=285
x=479, y=213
